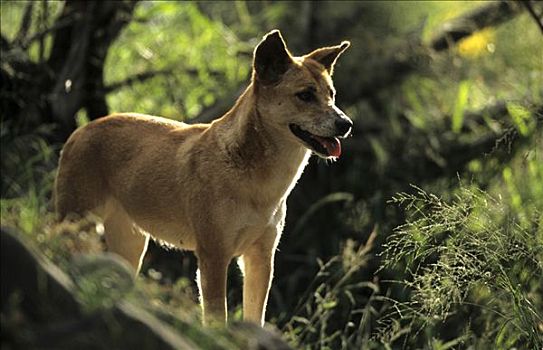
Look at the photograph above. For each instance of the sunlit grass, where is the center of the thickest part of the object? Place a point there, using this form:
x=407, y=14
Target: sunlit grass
x=339, y=308
x=474, y=251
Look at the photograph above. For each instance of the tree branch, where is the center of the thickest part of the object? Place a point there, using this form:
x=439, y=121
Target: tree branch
x=450, y=155
x=60, y=24
x=412, y=54
x=43, y=23
x=488, y=15
x=4, y=43
x=25, y=23
x=538, y=19
x=112, y=17
x=143, y=76
x=138, y=78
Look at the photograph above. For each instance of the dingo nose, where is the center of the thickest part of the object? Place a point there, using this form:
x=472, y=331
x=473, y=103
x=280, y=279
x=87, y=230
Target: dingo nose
x=343, y=126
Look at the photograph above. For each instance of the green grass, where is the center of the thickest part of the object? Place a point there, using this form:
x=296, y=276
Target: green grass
x=473, y=252
x=338, y=308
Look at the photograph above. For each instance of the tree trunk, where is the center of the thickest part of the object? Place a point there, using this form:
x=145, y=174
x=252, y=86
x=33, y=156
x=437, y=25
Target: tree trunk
x=53, y=91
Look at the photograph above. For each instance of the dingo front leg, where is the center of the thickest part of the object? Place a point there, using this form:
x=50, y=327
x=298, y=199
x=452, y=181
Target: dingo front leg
x=212, y=285
x=257, y=265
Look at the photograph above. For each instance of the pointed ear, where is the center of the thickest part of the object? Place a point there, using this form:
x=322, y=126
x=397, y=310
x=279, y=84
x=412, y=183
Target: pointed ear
x=327, y=56
x=271, y=58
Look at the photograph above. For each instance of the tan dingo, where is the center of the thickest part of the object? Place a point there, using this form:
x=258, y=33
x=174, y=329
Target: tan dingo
x=218, y=189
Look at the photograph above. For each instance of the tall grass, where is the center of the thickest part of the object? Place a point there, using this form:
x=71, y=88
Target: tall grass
x=473, y=258
x=339, y=308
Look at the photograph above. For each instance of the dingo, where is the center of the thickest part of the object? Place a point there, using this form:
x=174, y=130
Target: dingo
x=217, y=189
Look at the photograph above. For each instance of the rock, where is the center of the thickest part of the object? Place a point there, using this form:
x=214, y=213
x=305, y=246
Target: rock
x=41, y=288
x=42, y=308
x=101, y=279
x=259, y=338
x=52, y=318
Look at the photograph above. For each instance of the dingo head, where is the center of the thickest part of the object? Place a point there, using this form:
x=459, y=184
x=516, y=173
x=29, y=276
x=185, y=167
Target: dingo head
x=296, y=95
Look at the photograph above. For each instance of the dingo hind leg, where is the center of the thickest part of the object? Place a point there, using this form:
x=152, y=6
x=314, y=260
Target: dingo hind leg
x=123, y=236
x=79, y=191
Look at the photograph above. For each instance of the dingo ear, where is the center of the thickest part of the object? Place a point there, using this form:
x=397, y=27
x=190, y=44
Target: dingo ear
x=271, y=58
x=327, y=56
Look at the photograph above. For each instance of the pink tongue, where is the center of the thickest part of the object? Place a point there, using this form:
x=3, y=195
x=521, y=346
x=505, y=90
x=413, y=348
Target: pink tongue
x=332, y=145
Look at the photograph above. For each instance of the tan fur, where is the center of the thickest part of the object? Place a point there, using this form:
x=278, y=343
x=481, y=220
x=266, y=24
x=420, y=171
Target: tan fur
x=217, y=189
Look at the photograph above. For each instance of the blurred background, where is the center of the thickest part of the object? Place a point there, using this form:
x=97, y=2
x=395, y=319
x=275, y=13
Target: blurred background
x=426, y=233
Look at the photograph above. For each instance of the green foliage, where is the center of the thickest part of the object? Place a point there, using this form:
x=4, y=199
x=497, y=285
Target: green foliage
x=339, y=308
x=522, y=118
x=473, y=251
x=12, y=14
x=460, y=106
x=197, y=61
x=101, y=280
x=26, y=160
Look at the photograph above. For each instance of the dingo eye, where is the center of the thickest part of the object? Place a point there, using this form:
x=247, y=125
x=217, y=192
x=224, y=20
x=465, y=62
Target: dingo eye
x=306, y=96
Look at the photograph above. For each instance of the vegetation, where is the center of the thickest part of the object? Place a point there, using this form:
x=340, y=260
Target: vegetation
x=427, y=233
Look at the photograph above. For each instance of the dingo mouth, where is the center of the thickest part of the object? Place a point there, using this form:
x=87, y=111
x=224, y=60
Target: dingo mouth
x=326, y=147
